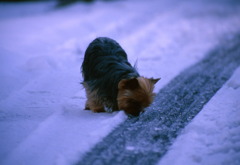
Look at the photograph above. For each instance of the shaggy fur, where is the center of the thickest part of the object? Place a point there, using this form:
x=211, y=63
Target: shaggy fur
x=110, y=80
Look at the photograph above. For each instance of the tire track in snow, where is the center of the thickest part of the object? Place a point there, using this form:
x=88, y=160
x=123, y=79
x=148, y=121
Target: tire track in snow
x=144, y=140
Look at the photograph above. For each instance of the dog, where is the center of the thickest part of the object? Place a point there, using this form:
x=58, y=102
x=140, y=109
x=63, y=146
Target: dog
x=111, y=82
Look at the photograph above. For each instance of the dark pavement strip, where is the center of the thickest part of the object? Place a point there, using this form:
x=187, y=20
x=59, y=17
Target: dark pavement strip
x=145, y=139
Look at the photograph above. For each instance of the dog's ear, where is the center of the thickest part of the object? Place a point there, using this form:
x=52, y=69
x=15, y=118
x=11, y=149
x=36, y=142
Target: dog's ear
x=128, y=84
x=154, y=81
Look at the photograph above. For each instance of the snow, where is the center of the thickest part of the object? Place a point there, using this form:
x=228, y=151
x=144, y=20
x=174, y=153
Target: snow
x=41, y=51
x=11, y=10
x=61, y=135
x=213, y=135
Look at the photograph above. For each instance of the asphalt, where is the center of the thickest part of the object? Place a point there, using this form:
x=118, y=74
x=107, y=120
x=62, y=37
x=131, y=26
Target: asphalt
x=145, y=139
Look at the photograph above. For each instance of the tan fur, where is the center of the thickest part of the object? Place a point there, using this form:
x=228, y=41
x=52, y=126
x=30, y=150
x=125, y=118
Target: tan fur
x=135, y=94
x=93, y=102
x=146, y=84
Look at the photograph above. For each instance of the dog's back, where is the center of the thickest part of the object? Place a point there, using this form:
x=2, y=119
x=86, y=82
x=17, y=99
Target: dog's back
x=102, y=55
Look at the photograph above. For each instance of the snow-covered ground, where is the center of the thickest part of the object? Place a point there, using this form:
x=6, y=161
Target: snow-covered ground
x=42, y=120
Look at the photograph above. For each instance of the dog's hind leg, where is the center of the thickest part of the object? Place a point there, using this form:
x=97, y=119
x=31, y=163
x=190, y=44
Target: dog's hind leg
x=93, y=103
x=87, y=106
x=95, y=106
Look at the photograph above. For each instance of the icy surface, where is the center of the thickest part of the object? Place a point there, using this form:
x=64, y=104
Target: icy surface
x=41, y=50
x=213, y=135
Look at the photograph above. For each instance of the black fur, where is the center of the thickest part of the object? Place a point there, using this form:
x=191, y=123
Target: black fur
x=105, y=64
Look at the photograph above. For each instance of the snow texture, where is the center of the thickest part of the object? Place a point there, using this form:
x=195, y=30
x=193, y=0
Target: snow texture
x=41, y=50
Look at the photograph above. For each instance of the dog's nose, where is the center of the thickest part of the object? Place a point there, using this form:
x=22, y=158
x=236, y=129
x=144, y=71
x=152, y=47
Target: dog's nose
x=134, y=113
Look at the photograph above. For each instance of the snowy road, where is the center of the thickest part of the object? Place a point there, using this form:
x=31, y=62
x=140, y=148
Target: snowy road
x=42, y=120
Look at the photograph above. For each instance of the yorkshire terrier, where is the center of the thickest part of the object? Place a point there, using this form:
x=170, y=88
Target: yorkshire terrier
x=111, y=82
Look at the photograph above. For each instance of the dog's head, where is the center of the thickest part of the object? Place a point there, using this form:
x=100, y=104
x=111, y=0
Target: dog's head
x=135, y=94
